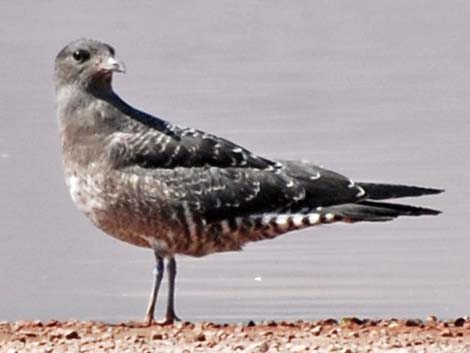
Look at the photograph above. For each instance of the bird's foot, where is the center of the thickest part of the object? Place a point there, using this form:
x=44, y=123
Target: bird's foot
x=170, y=319
x=148, y=321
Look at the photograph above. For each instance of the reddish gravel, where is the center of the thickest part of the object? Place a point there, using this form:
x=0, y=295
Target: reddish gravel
x=351, y=335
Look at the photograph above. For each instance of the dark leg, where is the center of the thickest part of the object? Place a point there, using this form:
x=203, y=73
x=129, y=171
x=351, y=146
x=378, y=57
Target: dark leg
x=158, y=272
x=171, y=317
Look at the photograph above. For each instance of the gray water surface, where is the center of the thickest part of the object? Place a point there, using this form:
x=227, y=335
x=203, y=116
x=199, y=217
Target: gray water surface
x=376, y=90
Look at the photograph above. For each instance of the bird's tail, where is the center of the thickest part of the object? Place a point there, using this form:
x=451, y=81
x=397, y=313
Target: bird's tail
x=241, y=230
x=393, y=191
x=270, y=226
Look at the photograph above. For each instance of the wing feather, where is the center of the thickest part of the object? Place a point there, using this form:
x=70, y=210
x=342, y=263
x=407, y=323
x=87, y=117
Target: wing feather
x=184, y=147
x=220, y=193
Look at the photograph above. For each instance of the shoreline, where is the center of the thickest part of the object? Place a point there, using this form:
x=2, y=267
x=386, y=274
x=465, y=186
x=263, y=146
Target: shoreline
x=349, y=335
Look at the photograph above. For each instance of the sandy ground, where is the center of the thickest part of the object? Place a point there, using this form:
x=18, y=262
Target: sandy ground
x=350, y=335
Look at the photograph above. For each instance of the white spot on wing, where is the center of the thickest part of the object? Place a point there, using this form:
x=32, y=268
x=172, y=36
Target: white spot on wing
x=361, y=192
x=351, y=183
x=316, y=176
x=300, y=195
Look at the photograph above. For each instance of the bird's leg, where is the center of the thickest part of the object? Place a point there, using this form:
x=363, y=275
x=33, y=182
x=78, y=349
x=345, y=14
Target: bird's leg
x=158, y=272
x=170, y=316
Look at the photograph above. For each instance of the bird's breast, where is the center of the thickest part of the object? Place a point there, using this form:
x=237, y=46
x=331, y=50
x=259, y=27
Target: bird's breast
x=86, y=192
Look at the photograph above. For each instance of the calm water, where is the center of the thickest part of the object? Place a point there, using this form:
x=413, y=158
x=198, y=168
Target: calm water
x=376, y=91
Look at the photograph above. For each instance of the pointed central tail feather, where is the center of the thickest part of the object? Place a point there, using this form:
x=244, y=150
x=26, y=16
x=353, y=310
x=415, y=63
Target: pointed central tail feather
x=372, y=211
x=393, y=191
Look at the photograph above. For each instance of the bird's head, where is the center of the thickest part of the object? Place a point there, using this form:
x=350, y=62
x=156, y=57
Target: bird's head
x=87, y=63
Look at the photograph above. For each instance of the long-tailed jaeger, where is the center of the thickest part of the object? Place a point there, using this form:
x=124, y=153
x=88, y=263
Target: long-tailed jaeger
x=178, y=190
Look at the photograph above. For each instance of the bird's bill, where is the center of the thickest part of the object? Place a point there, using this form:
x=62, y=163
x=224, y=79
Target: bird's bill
x=112, y=64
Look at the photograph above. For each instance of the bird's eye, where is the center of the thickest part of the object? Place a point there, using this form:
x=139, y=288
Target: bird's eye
x=81, y=55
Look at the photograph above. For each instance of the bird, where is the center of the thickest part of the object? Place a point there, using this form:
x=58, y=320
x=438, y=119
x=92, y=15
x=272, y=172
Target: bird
x=181, y=191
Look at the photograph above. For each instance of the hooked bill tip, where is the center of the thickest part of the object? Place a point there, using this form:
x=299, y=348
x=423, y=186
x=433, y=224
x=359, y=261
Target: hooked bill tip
x=113, y=64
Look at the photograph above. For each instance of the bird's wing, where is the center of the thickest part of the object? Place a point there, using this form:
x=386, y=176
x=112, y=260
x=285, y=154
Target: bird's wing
x=218, y=193
x=175, y=146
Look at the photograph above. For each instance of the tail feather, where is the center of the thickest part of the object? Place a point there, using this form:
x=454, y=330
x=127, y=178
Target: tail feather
x=371, y=211
x=403, y=210
x=393, y=191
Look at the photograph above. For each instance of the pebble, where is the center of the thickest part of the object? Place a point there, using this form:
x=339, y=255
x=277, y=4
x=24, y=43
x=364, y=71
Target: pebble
x=201, y=337
x=21, y=339
x=329, y=322
x=333, y=332
x=263, y=348
x=351, y=320
x=443, y=324
x=251, y=323
x=52, y=323
x=316, y=330
x=413, y=323
x=446, y=333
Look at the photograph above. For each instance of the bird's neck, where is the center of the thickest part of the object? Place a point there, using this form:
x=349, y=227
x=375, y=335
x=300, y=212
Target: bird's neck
x=84, y=121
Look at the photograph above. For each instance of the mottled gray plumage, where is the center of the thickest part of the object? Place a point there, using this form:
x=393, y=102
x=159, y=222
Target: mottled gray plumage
x=182, y=191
